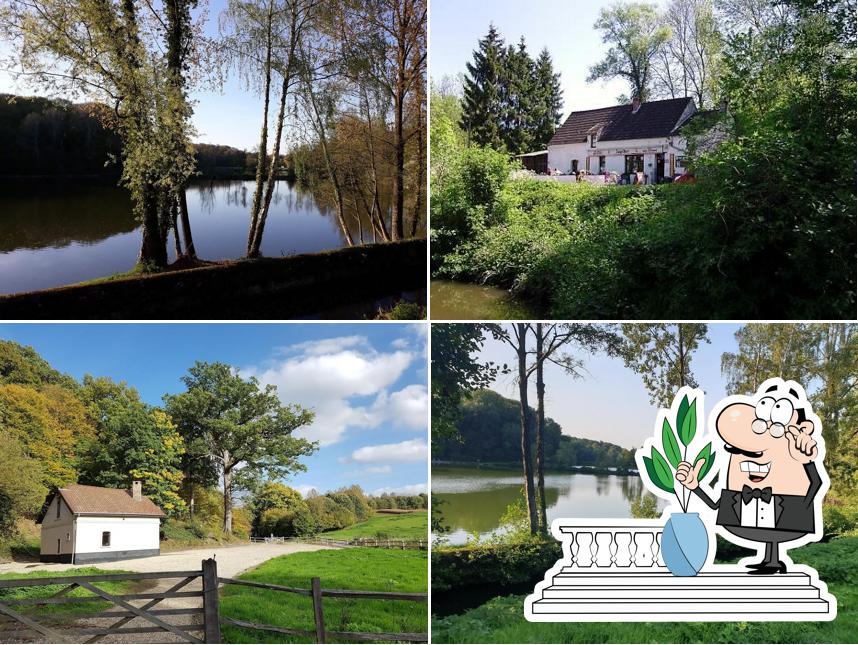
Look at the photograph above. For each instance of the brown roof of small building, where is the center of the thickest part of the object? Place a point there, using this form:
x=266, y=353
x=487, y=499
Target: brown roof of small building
x=95, y=500
x=618, y=123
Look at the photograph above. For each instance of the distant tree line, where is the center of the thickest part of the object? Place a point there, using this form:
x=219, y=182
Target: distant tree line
x=490, y=431
x=511, y=101
x=283, y=512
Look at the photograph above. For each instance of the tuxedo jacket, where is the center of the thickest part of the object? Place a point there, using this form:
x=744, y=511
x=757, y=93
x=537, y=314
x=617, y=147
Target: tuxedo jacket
x=792, y=512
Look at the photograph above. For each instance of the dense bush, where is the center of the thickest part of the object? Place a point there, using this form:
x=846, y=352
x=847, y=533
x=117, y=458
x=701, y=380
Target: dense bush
x=501, y=565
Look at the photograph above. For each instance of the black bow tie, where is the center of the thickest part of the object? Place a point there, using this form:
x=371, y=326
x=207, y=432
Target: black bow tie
x=749, y=493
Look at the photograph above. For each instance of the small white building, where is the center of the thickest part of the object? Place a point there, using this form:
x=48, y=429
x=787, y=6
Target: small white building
x=624, y=139
x=84, y=524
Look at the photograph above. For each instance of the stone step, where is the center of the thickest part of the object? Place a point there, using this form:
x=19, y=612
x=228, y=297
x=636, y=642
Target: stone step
x=732, y=610
x=694, y=593
x=636, y=578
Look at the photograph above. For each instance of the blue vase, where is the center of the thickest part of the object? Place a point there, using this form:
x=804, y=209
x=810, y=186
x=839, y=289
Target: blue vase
x=684, y=544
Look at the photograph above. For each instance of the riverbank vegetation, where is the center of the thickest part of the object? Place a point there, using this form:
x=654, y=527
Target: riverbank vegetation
x=354, y=568
x=771, y=199
x=344, y=79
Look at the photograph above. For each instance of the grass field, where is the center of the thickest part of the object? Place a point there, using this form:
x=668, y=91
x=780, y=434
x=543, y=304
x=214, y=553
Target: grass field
x=501, y=620
x=73, y=609
x=405, y=526
x=367, y=569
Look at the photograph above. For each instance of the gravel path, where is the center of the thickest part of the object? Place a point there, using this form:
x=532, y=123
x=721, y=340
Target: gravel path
x=231, y=561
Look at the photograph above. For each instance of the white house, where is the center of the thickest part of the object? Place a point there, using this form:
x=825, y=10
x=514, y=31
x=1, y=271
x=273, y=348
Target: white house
x=83, y=524
x=636, y=137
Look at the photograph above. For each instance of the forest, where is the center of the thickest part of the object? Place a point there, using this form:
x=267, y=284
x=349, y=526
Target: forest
x=95, y=431
x=772, y=198
x=488, y=431
x=343, y=79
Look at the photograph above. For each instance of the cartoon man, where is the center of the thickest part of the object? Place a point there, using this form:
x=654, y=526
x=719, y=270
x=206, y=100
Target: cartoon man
x=771, y=480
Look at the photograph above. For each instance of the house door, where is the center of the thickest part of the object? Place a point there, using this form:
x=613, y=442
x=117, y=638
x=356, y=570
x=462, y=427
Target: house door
x=659, y=167
x=574, y=166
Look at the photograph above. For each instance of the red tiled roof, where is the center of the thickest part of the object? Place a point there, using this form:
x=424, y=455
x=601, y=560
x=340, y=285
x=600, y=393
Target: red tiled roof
x=618, y=123
x=95, y=500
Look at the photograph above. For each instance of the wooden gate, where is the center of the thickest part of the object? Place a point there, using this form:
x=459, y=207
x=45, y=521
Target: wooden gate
x=122, y=607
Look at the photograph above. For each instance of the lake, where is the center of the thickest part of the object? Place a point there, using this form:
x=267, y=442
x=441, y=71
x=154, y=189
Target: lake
x=451, y=300
x=474, y=499
x=54, y=233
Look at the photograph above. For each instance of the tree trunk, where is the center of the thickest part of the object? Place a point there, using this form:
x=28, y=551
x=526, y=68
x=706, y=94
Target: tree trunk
x=190, y=251
x=263, y=137
x=227, y=500
x=398, y=168
x=540, y=427
x=153, y=248
x=421, y=174
x=524, y=417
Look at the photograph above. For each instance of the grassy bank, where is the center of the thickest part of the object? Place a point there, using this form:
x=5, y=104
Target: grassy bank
x=367, y=569
x=501, y=620
x=404, y=526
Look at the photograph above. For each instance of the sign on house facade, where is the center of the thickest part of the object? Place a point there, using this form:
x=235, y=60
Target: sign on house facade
x=624, y=139
x=85, y=524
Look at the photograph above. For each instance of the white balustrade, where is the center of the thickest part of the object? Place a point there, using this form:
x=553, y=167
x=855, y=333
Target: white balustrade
x=630, y=544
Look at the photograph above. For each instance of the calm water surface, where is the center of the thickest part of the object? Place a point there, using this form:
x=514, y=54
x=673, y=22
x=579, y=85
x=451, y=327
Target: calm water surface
x=463, y=301
x=55, y=233
x=473, y=500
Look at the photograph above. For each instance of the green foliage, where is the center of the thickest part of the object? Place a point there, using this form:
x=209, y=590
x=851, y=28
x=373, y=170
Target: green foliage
x=456, y=374
x=645, y=506
x=135, y=441
x=21, y=365
x=687, y=423
x=356, y=568
x=21, y=489
x=668, y=440
x=489, y=431
x=497, y=565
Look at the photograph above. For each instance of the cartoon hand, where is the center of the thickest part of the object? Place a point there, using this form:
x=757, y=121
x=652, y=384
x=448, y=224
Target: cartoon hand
x=802, y=447
x=688, y=476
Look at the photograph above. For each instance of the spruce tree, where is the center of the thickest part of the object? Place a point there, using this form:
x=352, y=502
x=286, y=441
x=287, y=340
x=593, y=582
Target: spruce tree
x=482, y=111
x=548, y=102
x=520, y=100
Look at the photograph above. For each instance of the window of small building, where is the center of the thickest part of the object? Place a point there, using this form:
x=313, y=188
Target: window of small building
x=68, y=537
x=59, y=503
x=680, y=162
x=105, y=538
x=592, y=141
x=602, y=164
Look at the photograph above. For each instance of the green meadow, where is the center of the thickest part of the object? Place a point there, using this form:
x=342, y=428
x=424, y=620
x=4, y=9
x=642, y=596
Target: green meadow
x=354, y=568
x=398, y=526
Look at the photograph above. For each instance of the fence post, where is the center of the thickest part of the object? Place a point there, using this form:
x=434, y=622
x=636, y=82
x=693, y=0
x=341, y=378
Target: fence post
x=211, y=608
x=316, y=585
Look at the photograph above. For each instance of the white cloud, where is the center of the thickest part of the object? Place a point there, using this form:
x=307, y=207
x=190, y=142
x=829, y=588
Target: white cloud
x=408, y=489
x=400, y=343
x=406, y=408
x=326, y=345
x=411, y=450
x=324, y=375
x=305, y=489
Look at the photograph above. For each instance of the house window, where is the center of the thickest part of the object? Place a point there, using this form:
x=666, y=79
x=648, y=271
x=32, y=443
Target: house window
x=680, y=162
x=68, y=537
x=59, y=503
x=574, y=166
x=634, y=163
x=602, y=165
x=105, y=538
x=592, y=141
x=58, y=545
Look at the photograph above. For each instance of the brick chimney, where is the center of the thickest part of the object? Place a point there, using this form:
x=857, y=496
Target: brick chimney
x=636, y=104
x=137, y=490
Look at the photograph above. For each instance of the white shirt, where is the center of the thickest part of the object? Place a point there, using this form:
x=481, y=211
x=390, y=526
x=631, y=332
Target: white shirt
x=759, y=514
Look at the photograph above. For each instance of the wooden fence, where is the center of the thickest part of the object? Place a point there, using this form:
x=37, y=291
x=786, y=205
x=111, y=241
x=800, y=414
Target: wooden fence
x=208, y=630
x=421, y=545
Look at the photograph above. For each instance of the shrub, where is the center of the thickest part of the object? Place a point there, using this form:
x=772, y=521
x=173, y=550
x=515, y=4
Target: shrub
x=501, y=565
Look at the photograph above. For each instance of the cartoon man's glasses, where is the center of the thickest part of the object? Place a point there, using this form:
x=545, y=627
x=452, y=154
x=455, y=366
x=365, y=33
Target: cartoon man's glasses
x=772, y=416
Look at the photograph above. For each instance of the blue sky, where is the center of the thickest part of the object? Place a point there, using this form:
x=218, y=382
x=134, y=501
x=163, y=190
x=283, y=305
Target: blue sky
x=565, y=28
x=610, y=403
x=366, y=383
